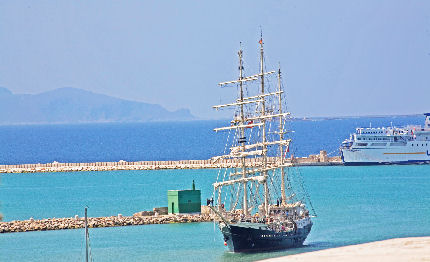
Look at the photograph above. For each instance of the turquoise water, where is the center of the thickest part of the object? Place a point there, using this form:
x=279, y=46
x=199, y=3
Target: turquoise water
x=353, y=204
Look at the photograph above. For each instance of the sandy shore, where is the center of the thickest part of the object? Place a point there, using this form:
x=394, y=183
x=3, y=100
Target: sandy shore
x=400, y=249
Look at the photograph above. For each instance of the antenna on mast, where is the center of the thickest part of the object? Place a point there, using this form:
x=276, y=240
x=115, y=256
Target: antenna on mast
x=261, y=37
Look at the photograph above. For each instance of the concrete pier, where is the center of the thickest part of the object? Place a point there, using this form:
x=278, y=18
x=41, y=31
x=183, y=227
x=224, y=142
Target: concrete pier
x=313, y=160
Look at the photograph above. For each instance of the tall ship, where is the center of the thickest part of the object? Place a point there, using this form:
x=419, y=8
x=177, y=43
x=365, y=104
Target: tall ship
x=388, y=145
x=261, y=203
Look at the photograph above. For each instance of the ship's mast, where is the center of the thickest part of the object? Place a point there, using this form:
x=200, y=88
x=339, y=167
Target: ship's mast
x=263, y=121
x=243, y=150
x=281, y=137
x=242, y=135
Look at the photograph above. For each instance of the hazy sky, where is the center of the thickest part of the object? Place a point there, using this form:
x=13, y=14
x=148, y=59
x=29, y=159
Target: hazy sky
x=339, y=57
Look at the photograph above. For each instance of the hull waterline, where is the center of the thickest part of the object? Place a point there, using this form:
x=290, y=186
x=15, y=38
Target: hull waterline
x=251, y=238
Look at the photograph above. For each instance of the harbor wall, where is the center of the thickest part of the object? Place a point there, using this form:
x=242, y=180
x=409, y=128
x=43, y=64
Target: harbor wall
x=313, y=160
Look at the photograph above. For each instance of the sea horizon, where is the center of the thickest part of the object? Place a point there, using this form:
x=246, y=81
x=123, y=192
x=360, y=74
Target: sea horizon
x=197, y=119
x=152, y=141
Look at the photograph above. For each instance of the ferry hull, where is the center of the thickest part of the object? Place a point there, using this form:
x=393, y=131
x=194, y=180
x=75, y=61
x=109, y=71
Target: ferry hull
x=409, y=162
x=380, y=156
x=242, y=238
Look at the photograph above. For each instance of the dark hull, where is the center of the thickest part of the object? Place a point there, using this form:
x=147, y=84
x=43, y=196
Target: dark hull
x=243, y=238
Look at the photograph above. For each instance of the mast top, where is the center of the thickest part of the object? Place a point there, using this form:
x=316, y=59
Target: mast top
x=261, y=38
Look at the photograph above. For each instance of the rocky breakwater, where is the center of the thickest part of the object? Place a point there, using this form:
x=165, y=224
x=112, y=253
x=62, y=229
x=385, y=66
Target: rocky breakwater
x=140, y=218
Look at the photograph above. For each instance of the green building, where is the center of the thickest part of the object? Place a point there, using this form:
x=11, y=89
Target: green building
x=184, y=201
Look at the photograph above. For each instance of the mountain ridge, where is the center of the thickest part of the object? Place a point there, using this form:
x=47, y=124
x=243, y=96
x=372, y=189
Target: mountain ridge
x=74, y=105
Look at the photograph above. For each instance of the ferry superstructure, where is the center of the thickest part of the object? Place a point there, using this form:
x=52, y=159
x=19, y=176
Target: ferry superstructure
x=388, y=145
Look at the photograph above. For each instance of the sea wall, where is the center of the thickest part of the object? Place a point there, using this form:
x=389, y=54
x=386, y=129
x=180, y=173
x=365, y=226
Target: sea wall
x=139, y=218
x=312, y=160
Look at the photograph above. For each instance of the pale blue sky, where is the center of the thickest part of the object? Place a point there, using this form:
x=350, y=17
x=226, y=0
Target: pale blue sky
x=340, y=57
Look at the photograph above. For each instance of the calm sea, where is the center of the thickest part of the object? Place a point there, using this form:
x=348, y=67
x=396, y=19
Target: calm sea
x=353, y=204
x=163, y=141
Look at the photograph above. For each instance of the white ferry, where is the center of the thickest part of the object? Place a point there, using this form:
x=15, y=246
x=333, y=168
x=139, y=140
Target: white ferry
x=388, y=145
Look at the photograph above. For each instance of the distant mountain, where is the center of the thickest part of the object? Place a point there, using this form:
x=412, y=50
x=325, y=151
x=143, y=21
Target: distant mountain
x=73, y=105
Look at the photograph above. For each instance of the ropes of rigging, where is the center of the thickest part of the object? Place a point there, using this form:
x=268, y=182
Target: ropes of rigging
x=305, y=192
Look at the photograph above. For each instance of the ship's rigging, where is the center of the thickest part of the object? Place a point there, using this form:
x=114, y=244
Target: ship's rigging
x=256, y=139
